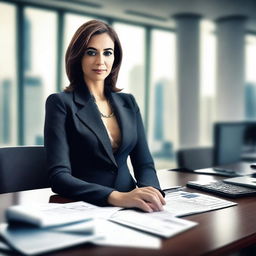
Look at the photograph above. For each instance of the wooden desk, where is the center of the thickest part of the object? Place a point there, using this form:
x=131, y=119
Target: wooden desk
x=218, y=233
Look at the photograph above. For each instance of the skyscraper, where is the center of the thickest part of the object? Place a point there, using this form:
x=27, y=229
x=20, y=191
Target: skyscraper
x=33, y=93
x=250, y=101
x=33, y=102
x=159, y=112
x=162, y=119
x=5, y=113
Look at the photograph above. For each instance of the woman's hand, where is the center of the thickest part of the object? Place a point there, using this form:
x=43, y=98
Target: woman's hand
x=147, y=199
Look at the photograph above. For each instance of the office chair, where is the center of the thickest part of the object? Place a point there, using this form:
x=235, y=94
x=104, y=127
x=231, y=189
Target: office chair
x=195, y=158
x=22, y=168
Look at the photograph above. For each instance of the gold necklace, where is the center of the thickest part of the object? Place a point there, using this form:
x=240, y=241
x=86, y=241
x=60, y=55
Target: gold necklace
x=101, y=114
x=107, y=116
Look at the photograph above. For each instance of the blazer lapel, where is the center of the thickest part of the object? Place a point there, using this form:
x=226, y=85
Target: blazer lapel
x=125, y=116
x=89, y=115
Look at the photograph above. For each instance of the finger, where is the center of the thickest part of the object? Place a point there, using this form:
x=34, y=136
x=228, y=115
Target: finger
x=144, y=206
x=148, y=196
x=152, y=206
x=157, y=192
x=161, y=197
x=152, y=198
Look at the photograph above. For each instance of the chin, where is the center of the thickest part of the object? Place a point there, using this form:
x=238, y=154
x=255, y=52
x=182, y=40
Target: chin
x=100, y=79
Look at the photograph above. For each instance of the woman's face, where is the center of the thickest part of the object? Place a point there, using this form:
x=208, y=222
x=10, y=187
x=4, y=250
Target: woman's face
x=98, y=58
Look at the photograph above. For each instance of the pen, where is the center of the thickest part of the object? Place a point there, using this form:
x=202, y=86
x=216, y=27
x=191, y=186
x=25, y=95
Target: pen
x=171, y=189
x=224, y=170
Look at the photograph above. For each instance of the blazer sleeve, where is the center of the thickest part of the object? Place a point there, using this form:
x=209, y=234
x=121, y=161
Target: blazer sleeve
x=58, y=160
x=142, y=161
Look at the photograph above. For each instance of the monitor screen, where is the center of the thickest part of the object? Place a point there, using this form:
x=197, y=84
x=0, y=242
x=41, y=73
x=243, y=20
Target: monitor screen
x=250, y=137
x=228, y=142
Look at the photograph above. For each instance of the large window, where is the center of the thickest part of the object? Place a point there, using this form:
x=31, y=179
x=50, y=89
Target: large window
x=163, y=105
x=207, y=81
x=40, y=30
x=250, y=77
x=132, y=74
x=8, y=75
x=39, y=56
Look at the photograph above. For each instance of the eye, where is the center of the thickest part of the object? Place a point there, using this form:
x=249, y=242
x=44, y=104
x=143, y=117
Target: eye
x=90, y=53
x=108, y=53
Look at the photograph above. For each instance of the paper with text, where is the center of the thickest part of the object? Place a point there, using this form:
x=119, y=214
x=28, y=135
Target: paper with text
x=182, y=203
x=51, y=214
x=162, y=223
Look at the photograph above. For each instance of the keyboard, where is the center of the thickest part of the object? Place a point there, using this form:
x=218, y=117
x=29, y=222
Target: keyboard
x=222, y=188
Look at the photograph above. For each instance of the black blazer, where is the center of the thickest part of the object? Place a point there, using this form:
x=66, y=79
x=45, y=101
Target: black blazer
x=80, y=160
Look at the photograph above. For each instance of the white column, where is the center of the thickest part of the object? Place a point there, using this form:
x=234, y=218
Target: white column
x=230, y=69
x=188, y=32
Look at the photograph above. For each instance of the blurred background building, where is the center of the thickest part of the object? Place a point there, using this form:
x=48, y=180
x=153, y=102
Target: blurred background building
x=188, y=63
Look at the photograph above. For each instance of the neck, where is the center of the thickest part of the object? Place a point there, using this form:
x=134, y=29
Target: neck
x=96, y=89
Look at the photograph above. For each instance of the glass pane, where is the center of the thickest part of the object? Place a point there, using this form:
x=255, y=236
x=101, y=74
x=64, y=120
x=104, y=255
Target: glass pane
x=132, y=73
x=8, y=75
x=250, y=86
x=40, y=30
x=163, y=113
x=71, y=23
x=208, y=81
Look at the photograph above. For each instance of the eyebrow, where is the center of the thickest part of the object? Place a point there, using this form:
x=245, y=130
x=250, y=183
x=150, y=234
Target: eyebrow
x=106, y=49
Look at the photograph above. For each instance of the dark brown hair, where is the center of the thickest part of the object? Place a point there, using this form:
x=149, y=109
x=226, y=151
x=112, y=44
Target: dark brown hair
x=76, y=50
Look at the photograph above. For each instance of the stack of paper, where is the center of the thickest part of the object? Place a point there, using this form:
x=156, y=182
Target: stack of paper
x=41, y=228
x=51, y=214
x=36, y=229
x=30, y=240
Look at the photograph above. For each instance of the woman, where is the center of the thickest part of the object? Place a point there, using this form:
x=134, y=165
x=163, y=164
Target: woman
x=91, y=129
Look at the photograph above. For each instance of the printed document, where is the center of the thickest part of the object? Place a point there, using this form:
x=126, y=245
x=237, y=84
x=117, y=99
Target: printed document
x=182, y=203
x=51, y=214
x=118, y=235
x=162, y=223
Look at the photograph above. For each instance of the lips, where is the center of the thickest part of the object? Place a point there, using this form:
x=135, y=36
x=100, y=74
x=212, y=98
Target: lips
x=99, y=71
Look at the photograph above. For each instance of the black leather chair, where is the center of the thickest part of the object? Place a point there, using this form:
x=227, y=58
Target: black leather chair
x=195, y=158
x=22, y=168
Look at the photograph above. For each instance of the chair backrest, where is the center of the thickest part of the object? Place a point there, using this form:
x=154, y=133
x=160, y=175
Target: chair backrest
x=22, y=168
x=195, y=158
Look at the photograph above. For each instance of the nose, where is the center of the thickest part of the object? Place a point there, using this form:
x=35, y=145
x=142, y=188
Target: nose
x=100, y=59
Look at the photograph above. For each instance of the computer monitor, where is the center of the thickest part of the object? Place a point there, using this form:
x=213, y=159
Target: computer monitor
x=250, y=137
x=228, y=142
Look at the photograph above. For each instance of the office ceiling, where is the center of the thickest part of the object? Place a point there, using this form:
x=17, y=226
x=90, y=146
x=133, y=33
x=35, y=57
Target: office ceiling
x=160, y=12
